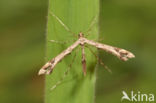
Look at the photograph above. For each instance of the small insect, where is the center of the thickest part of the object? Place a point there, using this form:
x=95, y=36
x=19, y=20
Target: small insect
x=120, y=53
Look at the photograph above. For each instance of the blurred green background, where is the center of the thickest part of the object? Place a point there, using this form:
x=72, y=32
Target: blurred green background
x=22, y=36
x=129, y=24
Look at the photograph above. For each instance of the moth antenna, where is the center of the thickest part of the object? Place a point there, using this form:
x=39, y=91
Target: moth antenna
x=93, y=22
x=60, y=21
x=65, y=73
x=98, y=59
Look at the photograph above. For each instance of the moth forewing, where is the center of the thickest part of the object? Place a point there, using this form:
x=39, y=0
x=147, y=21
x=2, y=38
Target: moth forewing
x=49, y=66
x=120, y=53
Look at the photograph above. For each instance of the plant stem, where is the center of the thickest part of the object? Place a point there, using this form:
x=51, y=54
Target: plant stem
x=75, y=87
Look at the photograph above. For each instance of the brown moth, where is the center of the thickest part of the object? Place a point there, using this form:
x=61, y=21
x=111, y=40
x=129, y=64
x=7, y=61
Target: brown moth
x=118, y=52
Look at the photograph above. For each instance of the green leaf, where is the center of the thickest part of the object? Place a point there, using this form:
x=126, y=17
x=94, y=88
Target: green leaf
x=77, y=15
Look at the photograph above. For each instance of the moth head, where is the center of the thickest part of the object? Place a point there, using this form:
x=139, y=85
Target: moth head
x=81, y=35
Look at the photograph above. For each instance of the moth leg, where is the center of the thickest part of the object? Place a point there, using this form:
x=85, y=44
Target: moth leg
x=65, y=73
x=99, y=60
x=83, y=60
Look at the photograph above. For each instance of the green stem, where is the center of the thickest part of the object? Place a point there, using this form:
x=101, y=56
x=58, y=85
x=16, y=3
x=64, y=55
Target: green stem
x=75, y=87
